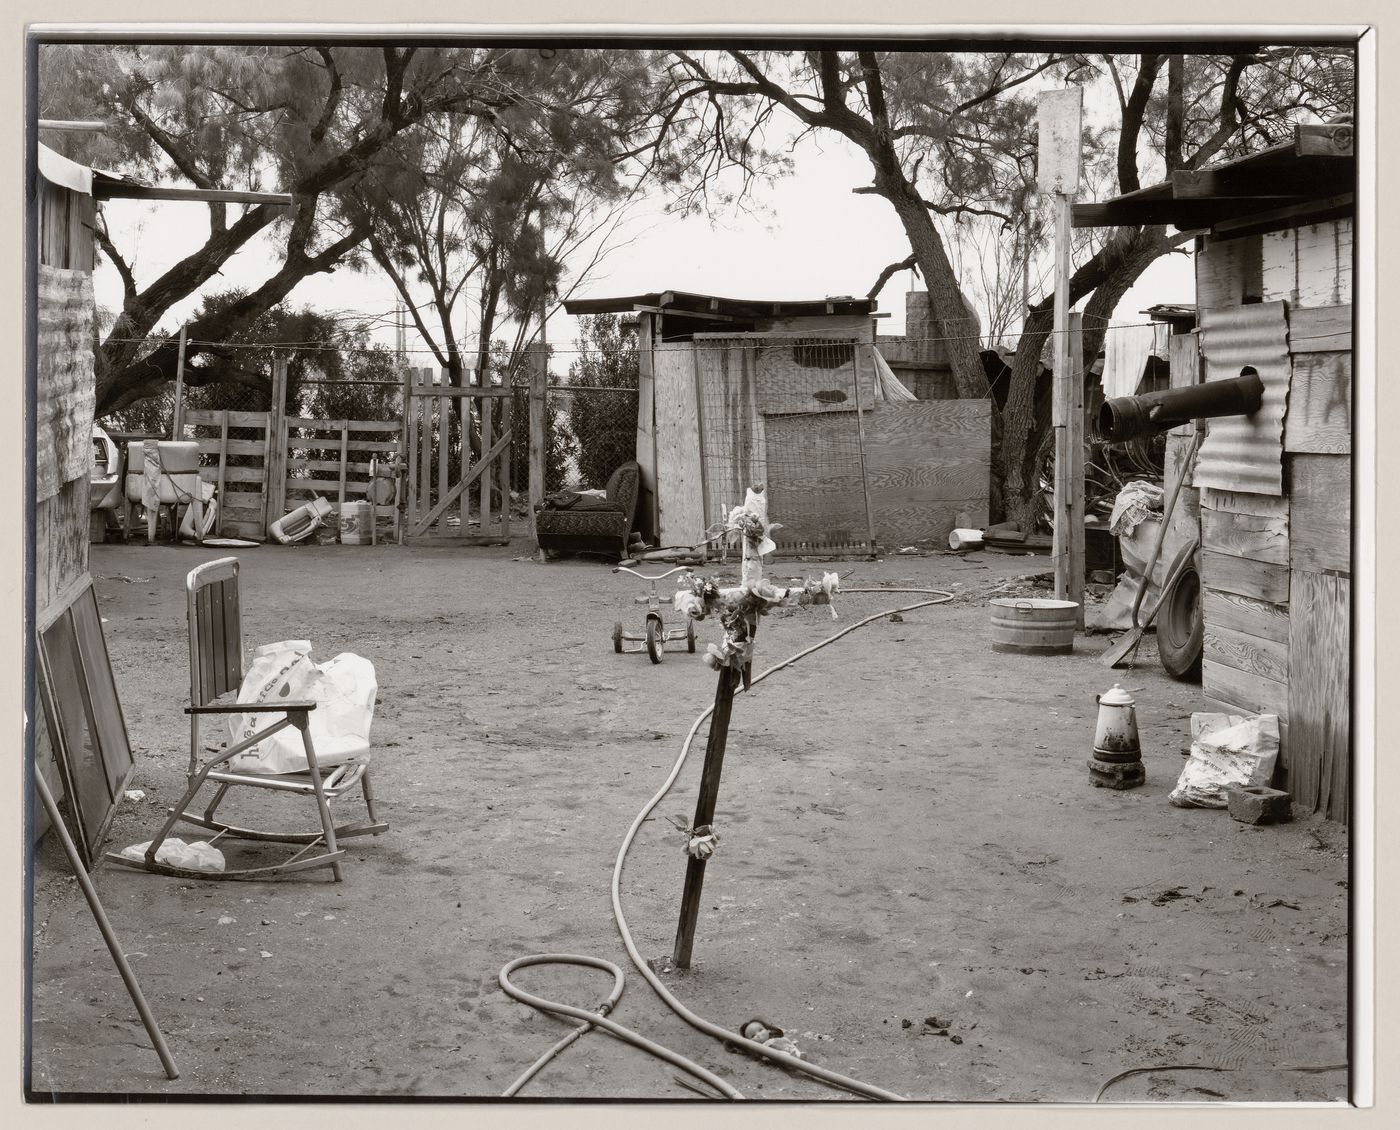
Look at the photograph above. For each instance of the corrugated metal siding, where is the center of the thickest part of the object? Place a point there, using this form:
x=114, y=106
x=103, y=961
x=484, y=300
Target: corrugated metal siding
x=1245, y=453
x=66, y=383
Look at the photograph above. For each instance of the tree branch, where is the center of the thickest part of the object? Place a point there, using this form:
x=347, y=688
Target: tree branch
x=912, y=262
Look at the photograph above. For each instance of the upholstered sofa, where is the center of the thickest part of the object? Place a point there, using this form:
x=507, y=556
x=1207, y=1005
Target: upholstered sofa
x=569, y=522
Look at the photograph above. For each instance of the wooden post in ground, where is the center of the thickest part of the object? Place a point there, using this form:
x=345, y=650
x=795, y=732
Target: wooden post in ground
x=277, y=444
x=1061, y=114
x=177, y=418
x=860, y=443
x=538, y=417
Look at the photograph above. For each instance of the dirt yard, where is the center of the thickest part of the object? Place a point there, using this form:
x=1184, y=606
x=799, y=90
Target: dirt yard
x=915, y=878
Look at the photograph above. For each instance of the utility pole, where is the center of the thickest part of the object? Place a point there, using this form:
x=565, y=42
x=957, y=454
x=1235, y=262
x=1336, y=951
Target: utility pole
x=1061, y=119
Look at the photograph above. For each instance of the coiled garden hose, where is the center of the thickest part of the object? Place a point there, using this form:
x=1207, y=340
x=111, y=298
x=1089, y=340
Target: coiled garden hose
x=599, y=1019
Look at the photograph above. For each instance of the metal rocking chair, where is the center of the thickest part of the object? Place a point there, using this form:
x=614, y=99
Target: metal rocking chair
x=216, y=668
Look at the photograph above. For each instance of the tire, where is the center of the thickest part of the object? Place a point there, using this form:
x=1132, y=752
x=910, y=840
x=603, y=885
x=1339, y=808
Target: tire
x=656, y=639
x=1181, y=627
x=690, y=636
x=617, y=637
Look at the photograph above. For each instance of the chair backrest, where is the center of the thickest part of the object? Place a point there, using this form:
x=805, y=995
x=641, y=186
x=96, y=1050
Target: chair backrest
x=623, y=487
x=216, y=630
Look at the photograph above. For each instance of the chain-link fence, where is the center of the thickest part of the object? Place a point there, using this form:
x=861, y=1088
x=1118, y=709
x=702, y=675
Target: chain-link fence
x=596, y=430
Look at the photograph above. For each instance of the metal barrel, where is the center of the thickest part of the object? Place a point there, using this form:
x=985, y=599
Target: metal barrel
x=1033, y=626
x=1126, y=417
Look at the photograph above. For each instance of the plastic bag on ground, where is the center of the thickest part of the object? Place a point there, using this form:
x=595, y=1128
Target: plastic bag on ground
x=343, y=688
x=197, y=856
x=1226, y=749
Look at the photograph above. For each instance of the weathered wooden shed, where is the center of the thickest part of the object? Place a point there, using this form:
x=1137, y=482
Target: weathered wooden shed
x=1271, y=493
x=793, y=394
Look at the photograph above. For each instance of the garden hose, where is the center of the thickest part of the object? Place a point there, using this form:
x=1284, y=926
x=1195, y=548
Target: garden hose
x=599, y=1018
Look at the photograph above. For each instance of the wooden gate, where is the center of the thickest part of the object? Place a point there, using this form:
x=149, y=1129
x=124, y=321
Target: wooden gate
x=238, y=450
x=458, y=445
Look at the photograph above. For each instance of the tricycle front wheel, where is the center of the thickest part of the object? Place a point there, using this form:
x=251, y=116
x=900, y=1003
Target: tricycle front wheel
x=656, y=639
x=617, y=637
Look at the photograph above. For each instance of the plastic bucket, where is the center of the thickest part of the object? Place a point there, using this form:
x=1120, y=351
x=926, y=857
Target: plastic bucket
x=1033, y=625
x=356, y=523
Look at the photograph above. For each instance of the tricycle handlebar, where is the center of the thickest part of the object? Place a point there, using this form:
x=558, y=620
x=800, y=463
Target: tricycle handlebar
x=643, y=576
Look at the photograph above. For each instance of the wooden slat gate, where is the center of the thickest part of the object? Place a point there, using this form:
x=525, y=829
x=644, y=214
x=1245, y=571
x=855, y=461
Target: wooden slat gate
x=458, y=438
x=238, y=449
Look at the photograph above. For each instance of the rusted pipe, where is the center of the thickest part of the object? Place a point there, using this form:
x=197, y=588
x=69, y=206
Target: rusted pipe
x=1127, y=417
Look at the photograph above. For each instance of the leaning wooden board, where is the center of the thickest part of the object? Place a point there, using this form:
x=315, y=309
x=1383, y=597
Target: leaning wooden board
x=679, y=487
x=1319, y=694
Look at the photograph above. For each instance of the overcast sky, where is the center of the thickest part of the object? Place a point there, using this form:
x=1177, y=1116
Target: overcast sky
x=807, y=236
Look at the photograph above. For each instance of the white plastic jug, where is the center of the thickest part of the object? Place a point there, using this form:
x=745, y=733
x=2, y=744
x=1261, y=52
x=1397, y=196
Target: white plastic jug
x=300, y=522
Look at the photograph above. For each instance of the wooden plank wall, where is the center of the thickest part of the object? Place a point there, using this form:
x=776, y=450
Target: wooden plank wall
x=927, y=462
x=1276, y=571
x=679, y=487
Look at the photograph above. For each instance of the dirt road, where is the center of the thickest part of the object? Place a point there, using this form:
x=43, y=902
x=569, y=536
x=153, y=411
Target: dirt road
x=914, y=879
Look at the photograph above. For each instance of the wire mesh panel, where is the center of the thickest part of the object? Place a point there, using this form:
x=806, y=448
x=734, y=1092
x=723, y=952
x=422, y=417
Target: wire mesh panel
x=785, y=410
x=598, y=432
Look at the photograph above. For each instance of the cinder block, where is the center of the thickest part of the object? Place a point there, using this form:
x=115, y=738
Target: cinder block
x=1255, y=804
x=1111, y=775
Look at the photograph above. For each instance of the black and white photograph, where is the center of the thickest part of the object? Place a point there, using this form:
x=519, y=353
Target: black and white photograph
x=649, y=566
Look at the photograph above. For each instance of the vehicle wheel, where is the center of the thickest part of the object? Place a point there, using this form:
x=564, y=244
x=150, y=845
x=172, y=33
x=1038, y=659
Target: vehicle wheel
x=656, y=639
x=617, y=637
x=1181, y=627
x=690, y=636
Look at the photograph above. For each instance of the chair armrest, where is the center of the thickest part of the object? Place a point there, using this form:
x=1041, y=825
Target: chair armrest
x=251, y=707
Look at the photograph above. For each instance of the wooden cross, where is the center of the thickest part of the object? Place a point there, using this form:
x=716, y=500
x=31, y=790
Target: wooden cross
x=739, y=610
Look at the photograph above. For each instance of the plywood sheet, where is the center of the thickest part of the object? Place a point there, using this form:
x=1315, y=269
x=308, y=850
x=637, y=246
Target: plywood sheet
x=1261, y=580
x=926, y=462
x=1245, y=453
x=1318, y=762
x=66, y=389
x=1321, y=513
x=1184, y=371
x=1319, y=405
x=679, y=487
x=1310, y=265
x=810, y=375
x=1227, y=272
x=1257, y=618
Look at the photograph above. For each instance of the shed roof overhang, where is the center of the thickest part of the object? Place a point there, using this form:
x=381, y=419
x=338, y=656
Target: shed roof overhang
x=1306, y=180
x=708, y=306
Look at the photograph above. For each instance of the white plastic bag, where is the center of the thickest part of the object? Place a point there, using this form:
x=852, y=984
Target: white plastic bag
x=344, y=690
x=197, y=856
x=1226, y=749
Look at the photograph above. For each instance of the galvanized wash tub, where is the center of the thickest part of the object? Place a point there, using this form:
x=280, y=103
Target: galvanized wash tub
x=1033, y=625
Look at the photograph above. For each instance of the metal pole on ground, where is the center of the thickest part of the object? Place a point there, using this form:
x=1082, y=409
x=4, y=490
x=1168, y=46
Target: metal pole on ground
x=105, y=926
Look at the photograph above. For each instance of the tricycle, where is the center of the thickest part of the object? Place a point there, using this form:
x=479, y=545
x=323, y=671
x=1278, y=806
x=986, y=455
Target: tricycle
x=655, y=635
